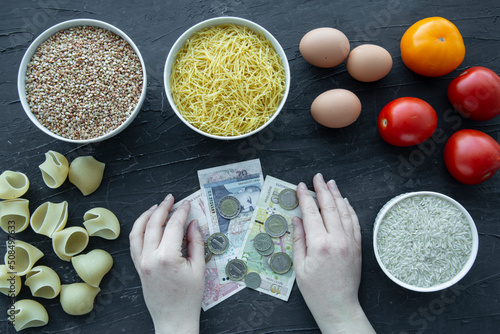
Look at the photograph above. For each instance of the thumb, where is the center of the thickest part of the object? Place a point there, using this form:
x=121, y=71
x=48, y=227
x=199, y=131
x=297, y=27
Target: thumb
x=299, y=240
x=195, y=247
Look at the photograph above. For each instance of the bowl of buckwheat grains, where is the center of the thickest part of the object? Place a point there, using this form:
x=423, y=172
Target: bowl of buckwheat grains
x=425, y=241
x=82, y=81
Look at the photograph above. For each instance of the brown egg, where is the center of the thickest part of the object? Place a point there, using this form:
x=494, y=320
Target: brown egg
x=369, y=63
x=336, y=108
x=324, y=47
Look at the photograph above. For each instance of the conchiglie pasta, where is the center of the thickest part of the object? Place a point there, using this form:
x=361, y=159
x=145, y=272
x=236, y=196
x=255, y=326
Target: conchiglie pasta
x=10, y=284
x=27, y=313
x=14, y=215
x=86, y=174
x=69, y=242
x=13, y=184
x=101, y=222
x=43, y=282
x=78, y=298
x=49, y=218
x=92, y=267
x=22, y=256
x=54, y=169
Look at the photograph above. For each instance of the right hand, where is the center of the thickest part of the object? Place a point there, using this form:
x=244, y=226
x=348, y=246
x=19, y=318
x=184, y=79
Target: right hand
x=327, y=259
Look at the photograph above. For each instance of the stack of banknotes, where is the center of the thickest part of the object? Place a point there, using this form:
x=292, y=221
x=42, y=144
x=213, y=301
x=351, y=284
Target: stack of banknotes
x=236, y=201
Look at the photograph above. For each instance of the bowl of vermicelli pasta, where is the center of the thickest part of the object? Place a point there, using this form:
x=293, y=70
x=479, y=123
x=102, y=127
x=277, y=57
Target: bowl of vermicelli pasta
x=227, y=78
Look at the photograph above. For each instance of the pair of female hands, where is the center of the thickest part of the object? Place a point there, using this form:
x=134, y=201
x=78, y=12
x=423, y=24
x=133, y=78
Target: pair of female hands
x=326, y=259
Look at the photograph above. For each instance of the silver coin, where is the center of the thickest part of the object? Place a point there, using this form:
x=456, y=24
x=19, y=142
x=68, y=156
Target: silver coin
x=229, y=207
x=218, y=243
x=262, y=242
x=276, y=225
x=280, y=263
x=208, y=253
x=236, y=269
x=288, y=199
x=267, y=252
x=253, y=280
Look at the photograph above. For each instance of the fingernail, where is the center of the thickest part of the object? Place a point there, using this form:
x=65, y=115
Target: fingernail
x=302, y=186
x=295, y=220
x=332, y=183
x=320, y=177
x=185, y=202
x=169, y=196
x=153, y=207
x=346, y=200
x=196, y=223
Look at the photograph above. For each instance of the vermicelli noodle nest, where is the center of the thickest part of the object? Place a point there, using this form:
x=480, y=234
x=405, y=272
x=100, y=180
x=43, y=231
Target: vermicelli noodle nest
x=227, y=80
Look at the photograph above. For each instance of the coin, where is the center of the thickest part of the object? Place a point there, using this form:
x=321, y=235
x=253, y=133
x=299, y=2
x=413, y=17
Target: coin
x=280, y=263
x=229, y=207
x=253, y=280
x=267, y=252
x=218, y=243
x=288, y=199
x=236, y=269
x=275, y=225
x=262, y=242
x=208, y=253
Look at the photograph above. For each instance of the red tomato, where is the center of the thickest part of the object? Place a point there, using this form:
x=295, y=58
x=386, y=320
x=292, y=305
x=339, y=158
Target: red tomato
x=471, y=156
x=407, y=121
x=475, y=93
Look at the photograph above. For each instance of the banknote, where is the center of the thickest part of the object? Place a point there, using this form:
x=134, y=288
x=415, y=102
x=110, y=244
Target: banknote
x=276, y=285
x=215, y=292
x=241, y=181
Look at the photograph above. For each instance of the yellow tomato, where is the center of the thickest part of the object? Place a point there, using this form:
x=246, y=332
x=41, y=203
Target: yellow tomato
x=432, y=47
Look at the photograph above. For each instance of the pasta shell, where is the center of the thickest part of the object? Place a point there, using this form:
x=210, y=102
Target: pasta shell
x=27, y=313
x=14, y=213
x=13, y=184
x=43, y=282
x=92, y=267
x=101, y=222
x=23, y=256
x=55, y=169
x=69, y=242
x=86, y=174
x=49, y=218
x=10, y=284
x=78, y=298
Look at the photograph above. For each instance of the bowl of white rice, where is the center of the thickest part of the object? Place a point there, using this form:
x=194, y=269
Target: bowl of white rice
x=425, y=241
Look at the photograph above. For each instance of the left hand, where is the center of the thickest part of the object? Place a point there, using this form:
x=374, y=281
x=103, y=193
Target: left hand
x=172, y=285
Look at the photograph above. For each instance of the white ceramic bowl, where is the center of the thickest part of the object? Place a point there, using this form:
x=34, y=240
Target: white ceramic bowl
x=214, y=22
x=468, y=264
x=21, y=78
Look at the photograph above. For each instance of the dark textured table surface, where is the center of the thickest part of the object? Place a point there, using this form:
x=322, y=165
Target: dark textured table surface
x=158, y=154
